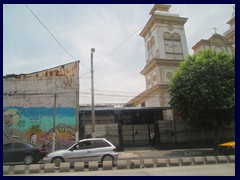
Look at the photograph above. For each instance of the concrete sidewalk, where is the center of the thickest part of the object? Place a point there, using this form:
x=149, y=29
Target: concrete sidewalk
x=151, y=152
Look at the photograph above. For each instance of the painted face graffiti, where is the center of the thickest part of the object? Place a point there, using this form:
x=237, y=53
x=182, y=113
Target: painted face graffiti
x=11, y=117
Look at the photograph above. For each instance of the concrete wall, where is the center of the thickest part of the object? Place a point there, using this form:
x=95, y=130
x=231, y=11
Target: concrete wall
x=182, y=133
x=31, y=99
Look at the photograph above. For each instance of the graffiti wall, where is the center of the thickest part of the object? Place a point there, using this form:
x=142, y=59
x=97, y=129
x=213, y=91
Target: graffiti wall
x=38, y=103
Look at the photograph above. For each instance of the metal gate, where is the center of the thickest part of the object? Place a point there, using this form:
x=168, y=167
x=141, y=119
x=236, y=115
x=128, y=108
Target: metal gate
x=136, y=135
x=166, y=130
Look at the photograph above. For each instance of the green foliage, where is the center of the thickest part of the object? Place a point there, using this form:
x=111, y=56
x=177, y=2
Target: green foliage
x=203, y=89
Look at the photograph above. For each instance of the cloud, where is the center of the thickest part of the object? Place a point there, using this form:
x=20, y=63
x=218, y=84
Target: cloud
x=109, y=28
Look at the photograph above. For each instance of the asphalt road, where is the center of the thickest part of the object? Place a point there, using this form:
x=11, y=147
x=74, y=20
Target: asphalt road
x=200, y=170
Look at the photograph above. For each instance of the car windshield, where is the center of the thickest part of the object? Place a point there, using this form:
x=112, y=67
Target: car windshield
x=82, y=145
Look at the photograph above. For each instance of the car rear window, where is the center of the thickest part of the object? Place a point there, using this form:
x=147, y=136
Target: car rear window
x=17, y=145
x=7, y=146
x=100, y=143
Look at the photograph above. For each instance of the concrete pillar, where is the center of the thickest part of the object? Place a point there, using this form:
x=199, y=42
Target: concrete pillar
x=186, y=161
x=134, y=164
x=34, y=168
x=49, y=168
x=107, y=165
x=210, y=160
x=162, y=163
x=121, y=164
x=19, y=169
x=93, y=166
x=174, y=162
x=148, y=163
x=78, y=166
x=198, y=161
x=65, y=167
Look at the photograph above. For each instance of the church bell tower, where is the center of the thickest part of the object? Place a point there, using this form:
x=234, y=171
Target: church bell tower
x=165, y=47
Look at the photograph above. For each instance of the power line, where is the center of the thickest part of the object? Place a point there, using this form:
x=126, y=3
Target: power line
x=101, y=94
x=127, y=92
x=54, y=36
x=86, y=73
x=50, y=33
x=116, y=95
x=118, y=46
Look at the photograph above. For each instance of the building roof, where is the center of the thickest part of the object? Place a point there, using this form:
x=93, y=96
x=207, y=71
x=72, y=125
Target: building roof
x=120, y=108
x=160, y=13
x=215, y=39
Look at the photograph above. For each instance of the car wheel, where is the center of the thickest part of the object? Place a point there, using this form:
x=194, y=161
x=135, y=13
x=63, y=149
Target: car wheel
x=28, y=159
x=57, y=161
x=107, y=158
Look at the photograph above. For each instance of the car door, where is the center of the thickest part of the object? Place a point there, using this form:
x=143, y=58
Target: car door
x=100, y=148
x=7, y=153
x=80, y=152
x=14, y=152
x=19, y=150
x=92, y=153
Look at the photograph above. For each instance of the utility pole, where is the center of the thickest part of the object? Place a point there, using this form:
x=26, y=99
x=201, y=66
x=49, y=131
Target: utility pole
x=77, y=115
x=54, y=124
x=92, y=92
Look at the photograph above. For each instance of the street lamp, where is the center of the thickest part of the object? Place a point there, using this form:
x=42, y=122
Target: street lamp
x=92, y=92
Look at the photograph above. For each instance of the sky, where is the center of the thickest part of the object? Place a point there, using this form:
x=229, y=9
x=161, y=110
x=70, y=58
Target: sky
x=112, y=29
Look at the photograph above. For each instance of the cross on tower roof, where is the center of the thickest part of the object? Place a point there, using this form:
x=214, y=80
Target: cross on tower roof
x=215, y=30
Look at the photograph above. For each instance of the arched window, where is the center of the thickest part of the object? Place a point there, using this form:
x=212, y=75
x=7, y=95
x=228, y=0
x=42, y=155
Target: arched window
x=149, y=46
x=153, y=41
x=153, y=46
x=173, y=46
x=168, y=43
x=177, y=45
x=175, y=36
x=167, y=35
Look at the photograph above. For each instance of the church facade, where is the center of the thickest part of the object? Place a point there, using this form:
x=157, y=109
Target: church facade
x=165, y=47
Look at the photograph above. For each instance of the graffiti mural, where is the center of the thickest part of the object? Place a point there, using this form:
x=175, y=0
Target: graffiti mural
x=31, y=102
x=65, y=136
x=35, y=125
x=10, y=118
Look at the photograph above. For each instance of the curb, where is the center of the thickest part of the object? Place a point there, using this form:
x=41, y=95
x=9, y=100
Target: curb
x=148, y=163
x=121, y=164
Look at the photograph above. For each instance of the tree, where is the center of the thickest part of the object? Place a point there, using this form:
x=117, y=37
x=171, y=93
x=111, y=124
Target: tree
x=203, y=91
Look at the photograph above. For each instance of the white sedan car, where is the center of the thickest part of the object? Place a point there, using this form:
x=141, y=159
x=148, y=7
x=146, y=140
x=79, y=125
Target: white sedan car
x=86, y=150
